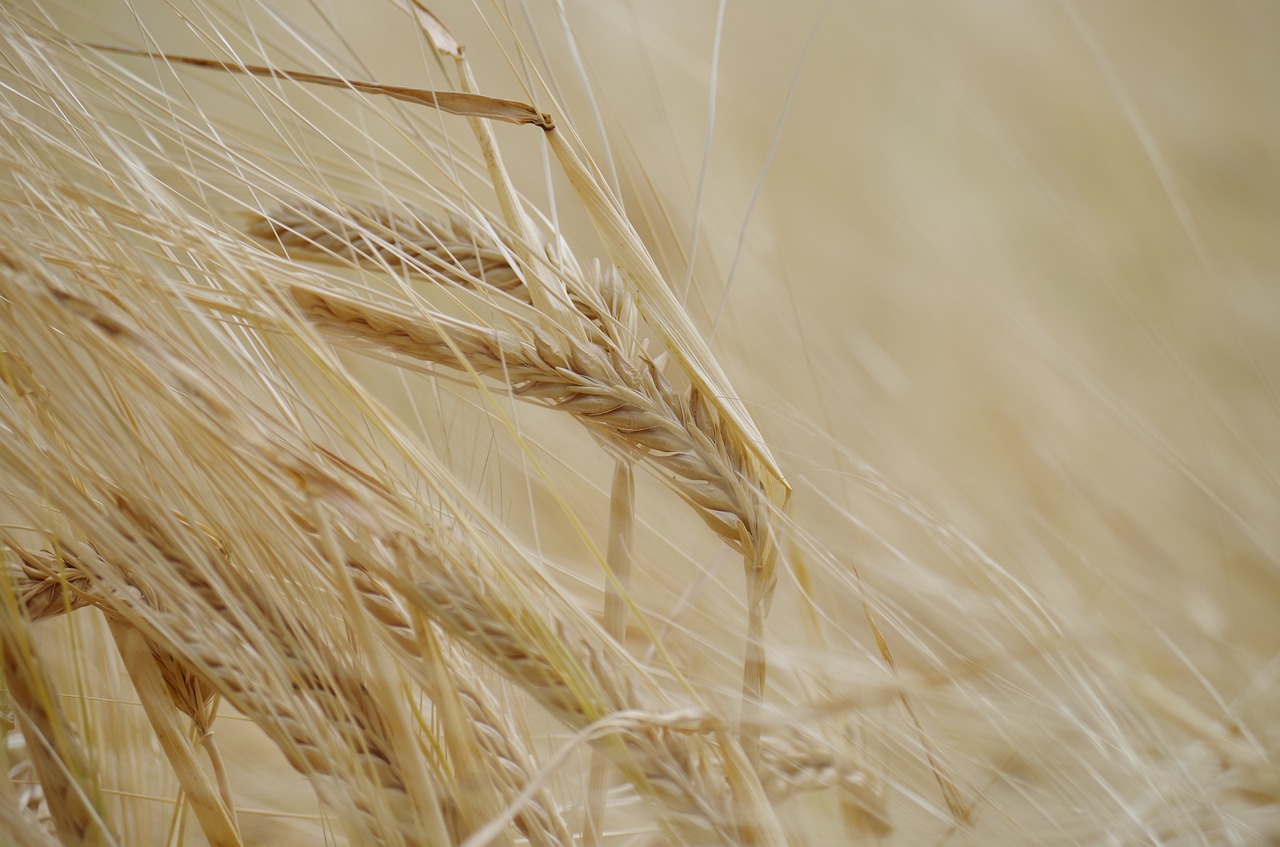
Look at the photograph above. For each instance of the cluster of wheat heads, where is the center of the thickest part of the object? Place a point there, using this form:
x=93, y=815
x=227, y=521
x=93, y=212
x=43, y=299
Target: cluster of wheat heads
x=349, y=496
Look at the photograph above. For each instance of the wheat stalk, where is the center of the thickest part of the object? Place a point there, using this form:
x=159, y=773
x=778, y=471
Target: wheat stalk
x=64, y=770
x=684, y=437
x=637, y=410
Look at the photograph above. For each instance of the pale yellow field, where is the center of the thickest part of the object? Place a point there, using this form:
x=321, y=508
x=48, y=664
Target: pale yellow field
x=998, y=283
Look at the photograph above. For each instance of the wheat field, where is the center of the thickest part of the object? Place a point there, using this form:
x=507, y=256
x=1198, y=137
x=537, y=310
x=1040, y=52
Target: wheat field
x=639, y=424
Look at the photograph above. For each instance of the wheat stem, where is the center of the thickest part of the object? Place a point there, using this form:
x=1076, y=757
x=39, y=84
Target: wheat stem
x=216, y=818
x=65, y=771
x=616, y=588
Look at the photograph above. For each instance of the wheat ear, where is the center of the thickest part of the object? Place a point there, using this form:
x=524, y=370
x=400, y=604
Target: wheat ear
x=53, y=582
x=635, y=409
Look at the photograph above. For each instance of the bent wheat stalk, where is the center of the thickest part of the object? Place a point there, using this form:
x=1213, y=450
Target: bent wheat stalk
x=64, y=769
x=637, y=410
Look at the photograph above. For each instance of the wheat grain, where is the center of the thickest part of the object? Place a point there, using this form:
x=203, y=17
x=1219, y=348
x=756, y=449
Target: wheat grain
x=450, y=251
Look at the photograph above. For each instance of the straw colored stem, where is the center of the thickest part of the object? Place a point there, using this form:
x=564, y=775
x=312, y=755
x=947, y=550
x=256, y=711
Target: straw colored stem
x=61, y=763
x=216, y=819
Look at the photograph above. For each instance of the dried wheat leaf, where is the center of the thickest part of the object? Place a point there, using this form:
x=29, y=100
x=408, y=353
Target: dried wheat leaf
x=453, y=102
x=442, y=41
